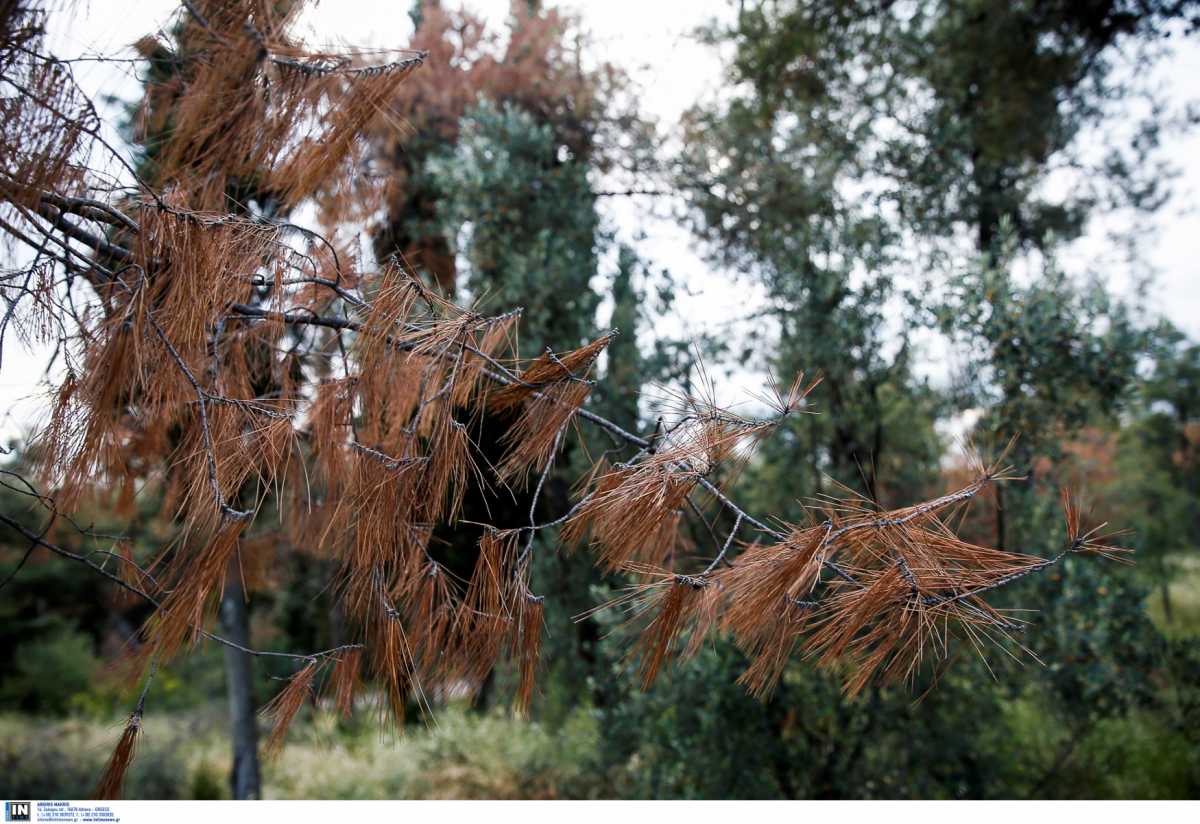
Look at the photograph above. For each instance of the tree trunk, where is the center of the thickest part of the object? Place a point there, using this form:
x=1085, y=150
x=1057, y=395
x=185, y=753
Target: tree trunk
x=1165, y=591
x=1001, y=530
x=235, y=623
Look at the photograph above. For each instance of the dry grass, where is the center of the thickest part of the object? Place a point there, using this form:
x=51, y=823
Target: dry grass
x=460, y=754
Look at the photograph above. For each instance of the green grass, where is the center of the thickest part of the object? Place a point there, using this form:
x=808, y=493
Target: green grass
x=1184, y=595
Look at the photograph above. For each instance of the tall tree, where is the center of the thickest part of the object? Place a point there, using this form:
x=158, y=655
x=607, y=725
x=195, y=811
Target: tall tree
x=493, y=198
x=869, y=145
x=863, y=151
x=778, y=182
x=522, y=222
x=1158, y=461
x=533, y=65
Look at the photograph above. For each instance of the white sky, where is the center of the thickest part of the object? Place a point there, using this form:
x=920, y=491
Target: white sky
x=650, y=38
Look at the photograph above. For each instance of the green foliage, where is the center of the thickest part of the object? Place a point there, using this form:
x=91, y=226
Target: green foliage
x=949, y=113
x=1158, y=462
x=1044, y=358
x=523, y=218
x=697, y=735
x=625, y=370
x=1100, y=650
x=51, y=674
x=856, y=145
x=692, y=736
x=779, y=178
x=1076, y=728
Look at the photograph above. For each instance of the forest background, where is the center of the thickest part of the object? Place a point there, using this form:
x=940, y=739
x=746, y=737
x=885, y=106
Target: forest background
x=955, y=211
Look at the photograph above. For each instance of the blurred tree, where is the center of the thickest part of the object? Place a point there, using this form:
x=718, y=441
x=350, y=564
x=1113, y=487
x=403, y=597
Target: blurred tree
x=533, y=66
x=1040, y=361
x=861, y=142
x=868, y=141
x=626, y=370
x=491, y=195
x=779, y=181
x=519, y=218
x=522, y=221
x=1159, y=460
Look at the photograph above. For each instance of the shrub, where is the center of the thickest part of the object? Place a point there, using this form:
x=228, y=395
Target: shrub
x=51, y=674
x=62, y=759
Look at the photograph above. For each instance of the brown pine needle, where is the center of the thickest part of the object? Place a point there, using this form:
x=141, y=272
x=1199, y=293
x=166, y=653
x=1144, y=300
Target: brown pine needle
x=112, y=781
x=283, y=707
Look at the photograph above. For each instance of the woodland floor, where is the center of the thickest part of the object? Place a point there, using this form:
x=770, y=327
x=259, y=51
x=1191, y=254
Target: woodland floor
x=464, y=754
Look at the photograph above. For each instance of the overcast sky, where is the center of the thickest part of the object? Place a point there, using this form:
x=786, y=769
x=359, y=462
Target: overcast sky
x=651, y=40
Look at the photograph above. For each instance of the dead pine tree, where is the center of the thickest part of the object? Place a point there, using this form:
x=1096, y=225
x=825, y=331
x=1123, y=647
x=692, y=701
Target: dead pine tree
x=276, y=388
